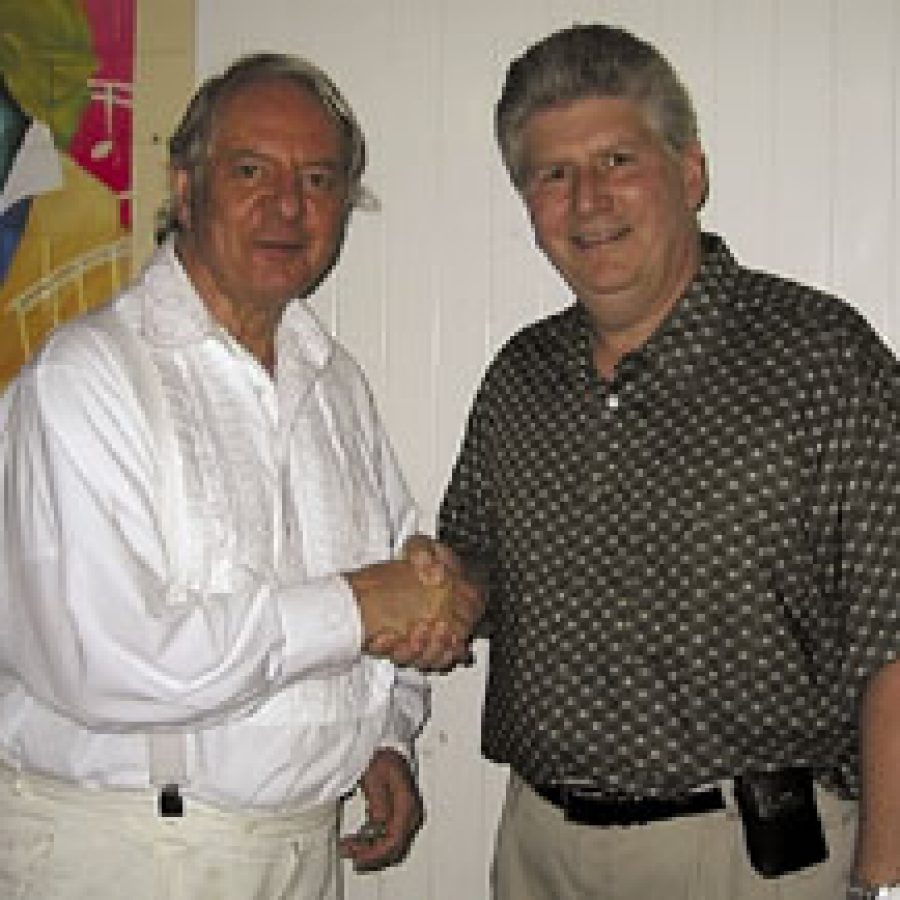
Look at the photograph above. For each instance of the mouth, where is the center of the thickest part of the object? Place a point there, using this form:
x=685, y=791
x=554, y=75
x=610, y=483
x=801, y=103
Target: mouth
x=281, y=245
x=590, y=238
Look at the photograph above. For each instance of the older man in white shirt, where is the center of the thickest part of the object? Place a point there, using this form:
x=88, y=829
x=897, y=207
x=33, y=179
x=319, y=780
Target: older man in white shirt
x=198, y=499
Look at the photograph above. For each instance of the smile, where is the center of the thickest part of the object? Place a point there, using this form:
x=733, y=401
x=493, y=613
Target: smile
x=585, y=240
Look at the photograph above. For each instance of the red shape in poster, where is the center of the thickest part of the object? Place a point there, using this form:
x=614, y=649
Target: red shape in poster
x=102, y=143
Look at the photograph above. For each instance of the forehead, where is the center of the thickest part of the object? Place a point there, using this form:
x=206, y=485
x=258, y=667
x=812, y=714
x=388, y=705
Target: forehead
x=596, y=121
x=275, y=109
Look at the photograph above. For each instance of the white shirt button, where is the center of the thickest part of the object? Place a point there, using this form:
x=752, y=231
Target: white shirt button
x=612, y=402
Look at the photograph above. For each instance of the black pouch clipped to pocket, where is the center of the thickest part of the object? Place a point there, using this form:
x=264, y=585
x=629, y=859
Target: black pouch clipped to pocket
x=781, y=822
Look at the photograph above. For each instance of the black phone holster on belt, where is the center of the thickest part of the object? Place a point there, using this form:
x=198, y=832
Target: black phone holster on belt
x=782, y=827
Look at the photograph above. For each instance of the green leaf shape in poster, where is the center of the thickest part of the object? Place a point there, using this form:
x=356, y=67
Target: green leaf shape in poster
x=46, y=58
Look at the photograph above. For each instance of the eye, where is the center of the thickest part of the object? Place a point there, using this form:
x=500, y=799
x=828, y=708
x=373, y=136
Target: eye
x=552, y=177
x=554, y=173
x=322, y=180
x=615, y=159
x=248, y=171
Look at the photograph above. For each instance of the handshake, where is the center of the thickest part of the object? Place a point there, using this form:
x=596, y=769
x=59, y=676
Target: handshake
x=419, y=610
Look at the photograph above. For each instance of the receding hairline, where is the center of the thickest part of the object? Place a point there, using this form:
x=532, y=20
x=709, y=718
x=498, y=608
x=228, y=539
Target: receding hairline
x=298, y=84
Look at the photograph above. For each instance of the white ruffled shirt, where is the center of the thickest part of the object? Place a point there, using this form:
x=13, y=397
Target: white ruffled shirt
x=250, y=644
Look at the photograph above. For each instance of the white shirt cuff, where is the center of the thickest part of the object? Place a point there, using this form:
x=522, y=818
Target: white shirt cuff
x=322, y=626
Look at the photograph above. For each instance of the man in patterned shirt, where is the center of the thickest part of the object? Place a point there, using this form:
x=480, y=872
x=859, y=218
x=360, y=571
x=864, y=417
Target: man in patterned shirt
x=682, y=495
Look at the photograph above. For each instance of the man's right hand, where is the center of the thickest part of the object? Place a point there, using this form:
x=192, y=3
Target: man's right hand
x=420, y=610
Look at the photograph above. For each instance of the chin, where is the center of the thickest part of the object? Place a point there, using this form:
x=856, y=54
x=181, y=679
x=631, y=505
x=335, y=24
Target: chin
x=269, y=297
x=283, y=289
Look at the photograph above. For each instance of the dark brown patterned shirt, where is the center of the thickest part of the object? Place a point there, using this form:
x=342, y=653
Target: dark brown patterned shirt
x=694, y=567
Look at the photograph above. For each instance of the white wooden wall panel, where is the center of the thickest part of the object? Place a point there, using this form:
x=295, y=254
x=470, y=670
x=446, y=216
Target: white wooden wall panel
x=865, y=239
x=799, y=104
x=802, y=212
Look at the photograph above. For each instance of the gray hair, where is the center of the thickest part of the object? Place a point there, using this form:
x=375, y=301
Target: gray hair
x=591, y=61
x=189, y=146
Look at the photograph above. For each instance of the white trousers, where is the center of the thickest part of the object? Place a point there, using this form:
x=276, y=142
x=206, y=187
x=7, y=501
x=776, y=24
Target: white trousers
x=541, y=856
x=65, y=842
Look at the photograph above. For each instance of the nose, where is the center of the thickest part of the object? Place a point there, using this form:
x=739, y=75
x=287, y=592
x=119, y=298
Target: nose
x=288, y=196
x=590, y=191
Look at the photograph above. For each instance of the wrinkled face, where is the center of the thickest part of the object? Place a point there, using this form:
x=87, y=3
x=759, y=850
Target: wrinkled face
x=272, y=215
x=613, y=207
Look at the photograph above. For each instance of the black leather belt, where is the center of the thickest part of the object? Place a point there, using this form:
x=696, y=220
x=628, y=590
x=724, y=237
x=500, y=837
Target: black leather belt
x=589, y=807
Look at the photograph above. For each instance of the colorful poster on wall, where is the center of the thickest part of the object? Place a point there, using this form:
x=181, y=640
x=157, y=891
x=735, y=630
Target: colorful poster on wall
x=66, y=74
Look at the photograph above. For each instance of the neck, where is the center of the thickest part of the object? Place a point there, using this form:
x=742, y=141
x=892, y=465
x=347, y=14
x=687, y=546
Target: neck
x=608, y=350
x=252, y=325
x=617, y=334
x=257, y=337
x=614, y=341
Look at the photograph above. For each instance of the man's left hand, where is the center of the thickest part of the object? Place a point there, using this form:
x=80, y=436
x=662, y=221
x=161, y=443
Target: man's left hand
x=393, y=814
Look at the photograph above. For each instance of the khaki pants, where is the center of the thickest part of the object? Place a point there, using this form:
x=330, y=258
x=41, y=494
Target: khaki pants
x=541, y=856
x=63, y=842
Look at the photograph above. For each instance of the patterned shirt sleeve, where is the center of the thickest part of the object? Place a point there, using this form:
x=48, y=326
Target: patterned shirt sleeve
x=466, y=519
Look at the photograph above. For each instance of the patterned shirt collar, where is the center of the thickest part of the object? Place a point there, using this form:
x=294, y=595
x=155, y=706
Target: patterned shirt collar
x=679, y=346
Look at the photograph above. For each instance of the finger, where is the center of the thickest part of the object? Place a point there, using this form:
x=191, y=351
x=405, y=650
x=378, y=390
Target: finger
x=453, y=649
x=388, y=839
x=383, y=643
x=428, y=568
x=431, y=560
x=408, y=649
x=369, y=832
x=418, y=545
x=371, y=855
x=420, y=635
x=442, y=649
x=458, y=656
x=369, y=848
x=404, y=655
x=385, y=835
x=448, y=557
x=466, y=613
x=431, y=645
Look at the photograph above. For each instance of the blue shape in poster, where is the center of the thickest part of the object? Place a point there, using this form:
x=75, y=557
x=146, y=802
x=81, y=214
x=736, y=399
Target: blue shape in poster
x=13, y=126
x=12, y=224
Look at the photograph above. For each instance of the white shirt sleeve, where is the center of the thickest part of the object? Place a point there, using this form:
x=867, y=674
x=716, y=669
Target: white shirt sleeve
x=95, y=628
x=411, y=691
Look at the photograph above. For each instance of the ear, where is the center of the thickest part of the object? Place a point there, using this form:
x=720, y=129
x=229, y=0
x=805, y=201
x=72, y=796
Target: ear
x=694, y=174
x=181, y=195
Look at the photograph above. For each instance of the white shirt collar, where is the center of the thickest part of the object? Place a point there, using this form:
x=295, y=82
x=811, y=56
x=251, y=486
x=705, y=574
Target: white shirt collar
x=174, y=314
